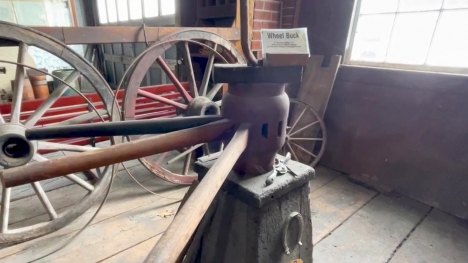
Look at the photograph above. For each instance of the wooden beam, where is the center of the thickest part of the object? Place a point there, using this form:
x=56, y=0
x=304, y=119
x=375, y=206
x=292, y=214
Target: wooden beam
x=107, y=35
x=173, y=242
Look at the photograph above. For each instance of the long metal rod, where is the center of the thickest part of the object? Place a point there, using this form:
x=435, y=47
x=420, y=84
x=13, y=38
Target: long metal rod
x=154, y=126
x=114, y=154
x=245, y=37
x=72, y=177
x=178, y=234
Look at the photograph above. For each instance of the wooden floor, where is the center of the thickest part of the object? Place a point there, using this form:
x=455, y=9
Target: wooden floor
x=351, y=224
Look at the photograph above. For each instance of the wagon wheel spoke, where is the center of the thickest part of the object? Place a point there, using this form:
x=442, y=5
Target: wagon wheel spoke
x=206, y=149
x=47, y=104
x=189, y=67
x=214, y=91
x=44, y=200
x=18, y=85
x=6, y=195
x=297, y=121
x=161, y=99
x=208, y=70
x=303, y=128
x=80, y=119
x=186, y=152
x=306, y=139
x=77, y=180
x=161, y=158
x=174, y=79
x=54, y=110
x=72, y=177
x=292, y=151
x=187, y=162
x=53, y=146
x=304, y=150
x=198, y=100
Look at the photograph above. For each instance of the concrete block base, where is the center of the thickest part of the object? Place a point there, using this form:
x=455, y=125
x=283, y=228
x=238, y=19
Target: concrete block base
x=254, y=223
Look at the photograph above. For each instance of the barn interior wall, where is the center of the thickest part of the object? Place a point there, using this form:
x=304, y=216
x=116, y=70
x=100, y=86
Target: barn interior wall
x=401, y=129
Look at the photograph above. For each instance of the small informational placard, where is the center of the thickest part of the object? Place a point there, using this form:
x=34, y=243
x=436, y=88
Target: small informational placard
x=285, y=41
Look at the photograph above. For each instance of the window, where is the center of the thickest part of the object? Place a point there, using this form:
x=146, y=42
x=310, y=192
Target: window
x=112, y=11
x=36, y=12
x=430, y=35
x=40, y=13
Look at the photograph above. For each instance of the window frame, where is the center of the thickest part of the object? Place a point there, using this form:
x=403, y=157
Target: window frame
x=397, y=66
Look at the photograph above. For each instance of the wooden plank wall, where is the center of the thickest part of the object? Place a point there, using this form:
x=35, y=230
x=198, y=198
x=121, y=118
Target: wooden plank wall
x=406, y=130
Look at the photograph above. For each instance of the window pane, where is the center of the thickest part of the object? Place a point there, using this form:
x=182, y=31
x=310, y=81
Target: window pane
x=30, y=13
x=111, y=11
x=135, y=9
x=58, y=13
x=371, y=38
x=102, y=11
x=122, y=8
x=452, y=4
x=411, y=37
x=167, y=7
x=419, y=5
x=6, y=12
x=450, y=45
x=378, y=6
x=151, y=8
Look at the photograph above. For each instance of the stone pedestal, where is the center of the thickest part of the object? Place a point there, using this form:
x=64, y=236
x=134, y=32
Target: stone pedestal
x=250, y=222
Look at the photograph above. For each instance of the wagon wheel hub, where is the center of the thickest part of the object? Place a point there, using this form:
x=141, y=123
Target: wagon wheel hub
x=15, y=149
x=203, y=106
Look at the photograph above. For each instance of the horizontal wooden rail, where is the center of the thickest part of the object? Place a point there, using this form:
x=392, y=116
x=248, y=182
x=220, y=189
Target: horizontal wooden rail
x=119, y=34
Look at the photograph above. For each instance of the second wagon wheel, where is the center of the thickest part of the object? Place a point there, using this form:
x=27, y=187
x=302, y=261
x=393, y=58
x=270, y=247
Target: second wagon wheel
x=43, y=209
x=198, y=100
x=306, y=135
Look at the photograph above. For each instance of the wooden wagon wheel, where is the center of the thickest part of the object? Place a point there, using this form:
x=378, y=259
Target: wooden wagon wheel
x=16, y=150
x=306, y=136
x=198, y=101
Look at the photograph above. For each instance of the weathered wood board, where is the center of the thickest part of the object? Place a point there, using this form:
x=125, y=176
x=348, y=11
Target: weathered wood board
x=334, y=203
x=315, y=90
x=440, y=238
x=373, y=233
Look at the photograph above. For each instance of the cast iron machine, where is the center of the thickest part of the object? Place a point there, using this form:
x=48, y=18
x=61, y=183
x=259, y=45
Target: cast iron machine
x=265, y=194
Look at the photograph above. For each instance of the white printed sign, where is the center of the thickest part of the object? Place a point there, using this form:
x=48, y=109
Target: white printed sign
x=285, y=41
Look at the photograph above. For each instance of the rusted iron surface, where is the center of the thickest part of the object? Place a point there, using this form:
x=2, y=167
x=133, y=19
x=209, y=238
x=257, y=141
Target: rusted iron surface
x=265, y=107
x=112, y=155
x=245, y=39
x=104, y=35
